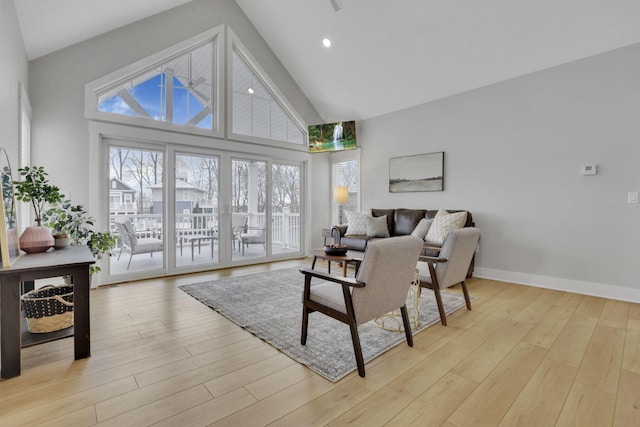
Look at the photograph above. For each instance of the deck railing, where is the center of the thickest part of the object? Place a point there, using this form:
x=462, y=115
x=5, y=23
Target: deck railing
x=285, y=231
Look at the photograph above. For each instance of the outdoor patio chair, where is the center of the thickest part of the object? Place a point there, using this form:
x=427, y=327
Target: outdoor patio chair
x=128, y=239
x=450, y=267
x=239, y=223
x=381, y=286
x=253, y=235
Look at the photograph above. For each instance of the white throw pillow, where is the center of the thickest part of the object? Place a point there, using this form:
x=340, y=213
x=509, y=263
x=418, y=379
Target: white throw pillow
x=356, y=223
x=443, y=223
x=422, y=228
x=377, y=226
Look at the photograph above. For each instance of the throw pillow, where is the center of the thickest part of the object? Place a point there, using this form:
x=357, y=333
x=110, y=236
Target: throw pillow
x=443, y=223
x=377, y=226
x=356, y=223
x=422, y=228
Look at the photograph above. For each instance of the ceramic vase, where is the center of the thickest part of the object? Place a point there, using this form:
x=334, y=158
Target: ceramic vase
x=36, y=238
x=61, y=241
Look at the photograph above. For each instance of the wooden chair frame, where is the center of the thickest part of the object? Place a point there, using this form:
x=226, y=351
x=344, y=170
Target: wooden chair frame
x=309, y=306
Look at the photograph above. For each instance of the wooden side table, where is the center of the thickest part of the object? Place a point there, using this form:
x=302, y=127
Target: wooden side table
x=351, y=257
x=73, y=261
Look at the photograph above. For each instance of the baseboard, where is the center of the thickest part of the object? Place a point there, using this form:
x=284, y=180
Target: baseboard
x=568, y=285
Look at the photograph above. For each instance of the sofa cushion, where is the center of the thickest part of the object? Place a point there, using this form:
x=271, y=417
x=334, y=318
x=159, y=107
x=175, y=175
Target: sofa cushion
x=422, y=228
x=389, y=213
x=468, y=223
x=377, y=227
x=444, y=222
x=406, y=220
x=356, y=223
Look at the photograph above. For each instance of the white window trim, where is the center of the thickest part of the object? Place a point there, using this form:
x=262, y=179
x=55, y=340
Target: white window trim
x=233, y=42
x=216, y=35
x=24, y=154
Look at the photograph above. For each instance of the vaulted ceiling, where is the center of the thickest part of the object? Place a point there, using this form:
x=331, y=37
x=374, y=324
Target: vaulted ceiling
x=385, y=55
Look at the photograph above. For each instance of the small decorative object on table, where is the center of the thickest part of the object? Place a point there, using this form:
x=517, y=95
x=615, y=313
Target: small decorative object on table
x=335, y=249
x=36, y=189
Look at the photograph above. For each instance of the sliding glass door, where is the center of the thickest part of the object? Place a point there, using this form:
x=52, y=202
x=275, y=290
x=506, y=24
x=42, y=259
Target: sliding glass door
x=196, y=209
x=136, y=209
x=286, y=207
x=249, y=208
x=176, y=211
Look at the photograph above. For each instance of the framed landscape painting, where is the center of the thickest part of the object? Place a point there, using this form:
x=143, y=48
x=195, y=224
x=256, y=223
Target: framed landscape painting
x=423, y=172
x=332, y=137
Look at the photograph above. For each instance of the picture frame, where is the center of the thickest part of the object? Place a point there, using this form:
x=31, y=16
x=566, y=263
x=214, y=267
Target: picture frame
x=9, y=243
x=331, y=137
x=422, y=172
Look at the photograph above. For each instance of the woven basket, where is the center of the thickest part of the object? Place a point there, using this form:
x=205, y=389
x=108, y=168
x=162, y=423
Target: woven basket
x=49, y=308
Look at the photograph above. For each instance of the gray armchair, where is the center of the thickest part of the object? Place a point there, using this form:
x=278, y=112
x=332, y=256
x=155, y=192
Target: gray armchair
x=253, y=235
x=450, y=267
x=381, y=286
x=128, y=239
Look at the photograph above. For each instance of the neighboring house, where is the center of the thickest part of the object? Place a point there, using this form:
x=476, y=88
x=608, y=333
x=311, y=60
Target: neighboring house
x=122, y=198
x=189, y=198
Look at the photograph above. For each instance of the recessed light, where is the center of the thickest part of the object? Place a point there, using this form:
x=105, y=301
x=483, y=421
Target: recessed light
x=250, y=90
x=326, y=42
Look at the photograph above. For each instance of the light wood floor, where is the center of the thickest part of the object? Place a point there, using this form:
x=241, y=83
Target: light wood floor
x=523, y=356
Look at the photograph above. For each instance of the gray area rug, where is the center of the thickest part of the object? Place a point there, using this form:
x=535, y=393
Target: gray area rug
x=269, y=306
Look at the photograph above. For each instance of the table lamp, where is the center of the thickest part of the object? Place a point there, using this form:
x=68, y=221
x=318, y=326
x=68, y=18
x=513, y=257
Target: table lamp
x=340, y=196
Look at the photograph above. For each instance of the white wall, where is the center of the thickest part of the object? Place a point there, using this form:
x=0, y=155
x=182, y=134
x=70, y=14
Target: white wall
x=14, y=69
x=60, y=132
x=513, y=157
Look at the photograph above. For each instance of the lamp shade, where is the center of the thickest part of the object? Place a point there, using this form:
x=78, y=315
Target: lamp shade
x=341, y=194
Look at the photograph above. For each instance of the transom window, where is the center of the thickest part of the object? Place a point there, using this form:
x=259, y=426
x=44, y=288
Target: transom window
x=178, y=91
x=256, y=112
x=185, y=88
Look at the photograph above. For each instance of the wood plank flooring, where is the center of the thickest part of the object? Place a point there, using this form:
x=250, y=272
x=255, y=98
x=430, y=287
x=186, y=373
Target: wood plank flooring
x=523, y=356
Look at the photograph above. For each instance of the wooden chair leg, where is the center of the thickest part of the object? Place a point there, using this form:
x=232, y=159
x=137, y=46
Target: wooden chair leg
x=443, y=314
x=305, y=325
x=305, y=310
x=356, y=347
x=407, y=325
x=466, y=295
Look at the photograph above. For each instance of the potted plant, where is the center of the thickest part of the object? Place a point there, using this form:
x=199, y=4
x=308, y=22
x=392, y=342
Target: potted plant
x=35, y=188
x=67, y=223
x=74, y=221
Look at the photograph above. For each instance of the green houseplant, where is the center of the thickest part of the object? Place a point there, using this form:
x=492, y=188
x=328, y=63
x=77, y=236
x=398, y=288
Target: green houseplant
x=35, y=188
x=74, y=221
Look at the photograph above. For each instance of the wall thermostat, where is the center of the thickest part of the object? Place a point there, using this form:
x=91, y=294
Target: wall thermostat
x=589, y=170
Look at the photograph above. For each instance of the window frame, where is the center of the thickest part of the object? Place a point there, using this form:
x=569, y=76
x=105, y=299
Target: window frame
x=234, y=44
x=340, y=157
x=215, y=36
x=24, y=155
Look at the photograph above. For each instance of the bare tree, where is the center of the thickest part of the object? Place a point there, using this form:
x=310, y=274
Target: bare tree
x=118, y=159
x=286, y=187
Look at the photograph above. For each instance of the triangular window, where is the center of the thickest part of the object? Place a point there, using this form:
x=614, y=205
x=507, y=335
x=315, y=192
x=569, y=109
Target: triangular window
x=174, y=87
x=257, y=112
x=178, y=91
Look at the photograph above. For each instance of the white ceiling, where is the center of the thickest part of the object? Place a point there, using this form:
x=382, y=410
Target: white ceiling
x=386, y=55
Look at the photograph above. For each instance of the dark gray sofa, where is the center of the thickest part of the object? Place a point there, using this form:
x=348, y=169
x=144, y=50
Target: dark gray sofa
x=400, y=222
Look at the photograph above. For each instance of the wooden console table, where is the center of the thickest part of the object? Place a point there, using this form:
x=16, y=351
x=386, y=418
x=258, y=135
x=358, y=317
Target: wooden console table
x=73, y=261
